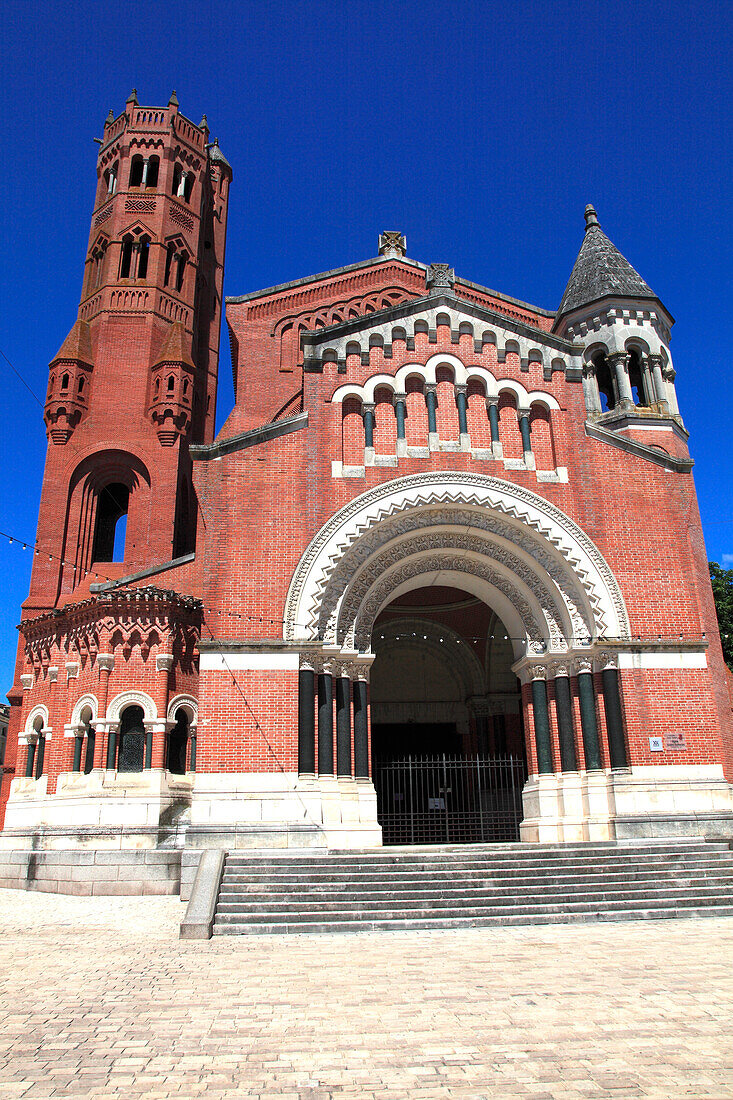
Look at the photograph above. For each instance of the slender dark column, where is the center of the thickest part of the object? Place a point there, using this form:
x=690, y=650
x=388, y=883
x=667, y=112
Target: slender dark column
x=149, y=749
x=361, y=730
x=343, y=726
x=325, y=723
x=77, y=752
x=40, y=755
x=368, y=415
x=541, y=727
x=111, y=748
x=564, y=707
x=29, y=759
x=431, y=401
x=588, y=723
x=306, y=722
x=192, y=759
x=399, y=411
x=493, y=410
x=524, y=429
x=614, y=720
x=462, y=409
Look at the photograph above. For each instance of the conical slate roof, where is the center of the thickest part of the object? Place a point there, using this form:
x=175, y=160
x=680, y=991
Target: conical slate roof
x=216, y=155
x=600, y=270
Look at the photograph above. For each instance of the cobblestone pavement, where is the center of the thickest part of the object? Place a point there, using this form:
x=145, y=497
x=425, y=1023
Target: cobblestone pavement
x=100, y=999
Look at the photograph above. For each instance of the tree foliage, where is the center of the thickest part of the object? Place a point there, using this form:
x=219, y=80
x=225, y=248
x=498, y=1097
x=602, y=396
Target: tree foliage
x=722, y=582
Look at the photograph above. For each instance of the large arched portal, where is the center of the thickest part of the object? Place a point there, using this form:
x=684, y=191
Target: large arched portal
x=447, y=737
x=536, y=604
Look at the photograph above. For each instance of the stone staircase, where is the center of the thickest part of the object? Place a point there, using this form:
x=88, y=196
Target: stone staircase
x=472, y=886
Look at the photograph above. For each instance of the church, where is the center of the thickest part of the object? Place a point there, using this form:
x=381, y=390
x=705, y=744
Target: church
x=440, y=578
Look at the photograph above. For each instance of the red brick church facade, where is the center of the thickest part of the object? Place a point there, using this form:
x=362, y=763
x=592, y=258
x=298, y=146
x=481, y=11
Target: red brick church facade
x=437, y=521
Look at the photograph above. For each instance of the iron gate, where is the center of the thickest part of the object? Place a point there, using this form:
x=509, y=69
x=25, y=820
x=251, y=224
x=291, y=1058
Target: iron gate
x=449, y=799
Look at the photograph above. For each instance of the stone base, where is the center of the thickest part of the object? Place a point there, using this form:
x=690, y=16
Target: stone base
x=73, y=871
x=149, y=806
x=634, y=803
x=283, y=810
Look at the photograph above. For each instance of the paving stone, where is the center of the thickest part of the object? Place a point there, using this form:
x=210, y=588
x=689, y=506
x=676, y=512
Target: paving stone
x=99, y=998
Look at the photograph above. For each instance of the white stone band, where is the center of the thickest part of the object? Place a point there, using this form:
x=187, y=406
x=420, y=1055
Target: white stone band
x=260, y=662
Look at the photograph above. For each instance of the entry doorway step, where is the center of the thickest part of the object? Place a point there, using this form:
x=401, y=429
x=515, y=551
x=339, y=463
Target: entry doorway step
x=464, y=887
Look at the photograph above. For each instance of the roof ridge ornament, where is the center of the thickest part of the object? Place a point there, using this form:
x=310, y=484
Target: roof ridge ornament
x=392, y=243
x=440, y=278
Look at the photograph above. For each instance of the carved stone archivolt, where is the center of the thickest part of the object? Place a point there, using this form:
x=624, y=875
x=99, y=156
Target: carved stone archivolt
x=549, y=535
x=557, y=592
x=483, y=562
x=357, y=631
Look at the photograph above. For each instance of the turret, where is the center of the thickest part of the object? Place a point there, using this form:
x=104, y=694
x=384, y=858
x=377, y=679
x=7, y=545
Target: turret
x=624, y=328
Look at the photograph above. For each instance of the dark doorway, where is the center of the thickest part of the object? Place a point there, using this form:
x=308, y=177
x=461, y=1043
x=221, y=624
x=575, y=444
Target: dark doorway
x=178, y=744
x=392, y=742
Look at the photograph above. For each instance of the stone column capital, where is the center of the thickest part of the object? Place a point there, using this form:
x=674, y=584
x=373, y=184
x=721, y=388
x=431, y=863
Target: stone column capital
x=583, y=664
x=561, y=668
x=367, y=407
x=105, y=662
x=536, y=672
x=53, y=674
x=397, y=397
x=460, y=387
x=618, y=358
x=492, y=399
x=431, y=387
x=523, y=412
x=163, y=662
x=606, y=660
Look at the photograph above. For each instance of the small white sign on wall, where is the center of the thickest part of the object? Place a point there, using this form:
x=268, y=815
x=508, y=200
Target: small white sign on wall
x=656, y=744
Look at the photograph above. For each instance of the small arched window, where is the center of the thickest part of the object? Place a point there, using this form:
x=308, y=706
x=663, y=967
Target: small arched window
x=111, y=178
x=38, y=748
x=131, y=748
x=153, y=169
x=142, y=263
x=605, y=383
x=636, y=380
x=136, y=171
x=81, y=385
x=177, y=175
x=126, y=257
x=188, y=186
x=171, y=383
x=170, y=254
x=89, y=734
x=178, y=744
x=182, y=257
x=111, y=523
x=64, y=382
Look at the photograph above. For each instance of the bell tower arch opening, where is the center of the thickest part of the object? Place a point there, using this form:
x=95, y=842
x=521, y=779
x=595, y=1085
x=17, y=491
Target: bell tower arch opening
x=447, y=735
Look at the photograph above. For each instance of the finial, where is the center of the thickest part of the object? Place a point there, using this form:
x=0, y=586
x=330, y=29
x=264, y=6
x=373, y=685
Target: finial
x=132, y=98
x=110, y=118
x=173, y=101
x=392, y=243
x=590, y=217
x=204, y=123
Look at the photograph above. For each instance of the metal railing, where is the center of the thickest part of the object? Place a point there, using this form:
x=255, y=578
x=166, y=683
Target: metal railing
x=449, y=799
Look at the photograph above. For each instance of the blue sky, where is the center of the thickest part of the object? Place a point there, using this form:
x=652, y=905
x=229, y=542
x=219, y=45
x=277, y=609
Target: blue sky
x=480, y=130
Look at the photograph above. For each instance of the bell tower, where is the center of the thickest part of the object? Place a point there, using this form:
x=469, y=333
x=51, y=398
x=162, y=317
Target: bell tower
x=134, y=382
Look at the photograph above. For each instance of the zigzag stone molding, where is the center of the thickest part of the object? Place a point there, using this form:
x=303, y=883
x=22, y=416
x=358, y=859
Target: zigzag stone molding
x=556, y=531
x=499, y=536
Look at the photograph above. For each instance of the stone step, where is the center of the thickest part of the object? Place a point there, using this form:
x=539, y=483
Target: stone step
x=411, y=925
x=560, y=905
x=227, y=898
x=415, y=875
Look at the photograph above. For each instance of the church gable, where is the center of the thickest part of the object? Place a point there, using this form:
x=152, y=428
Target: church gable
x=404, y=322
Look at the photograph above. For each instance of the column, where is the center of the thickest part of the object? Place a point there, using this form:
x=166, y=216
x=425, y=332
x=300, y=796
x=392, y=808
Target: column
x=646, y=380
x=163, y=666
x=523, y=417
x=325, y=723
x=367, y=413
x=30, y=755
x=105, y=664
x=78, y=742
x=306, y=721
x=400, y=410
x=144, y=180
x=541, y=719
x=590, y=390
x=492, y=408
x=588, y=723
x=181, y=192
x=612, y=708
x=343, y=724
x=192, y=747
x=564, y=708
x=619, y=364
x=462, y=403
x=660, y=388
x=40, y=753
x=361, y=729
x=431, y=400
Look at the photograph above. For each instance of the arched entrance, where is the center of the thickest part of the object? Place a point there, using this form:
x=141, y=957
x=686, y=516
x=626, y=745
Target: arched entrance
x=447, y=738
x=554, y=599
